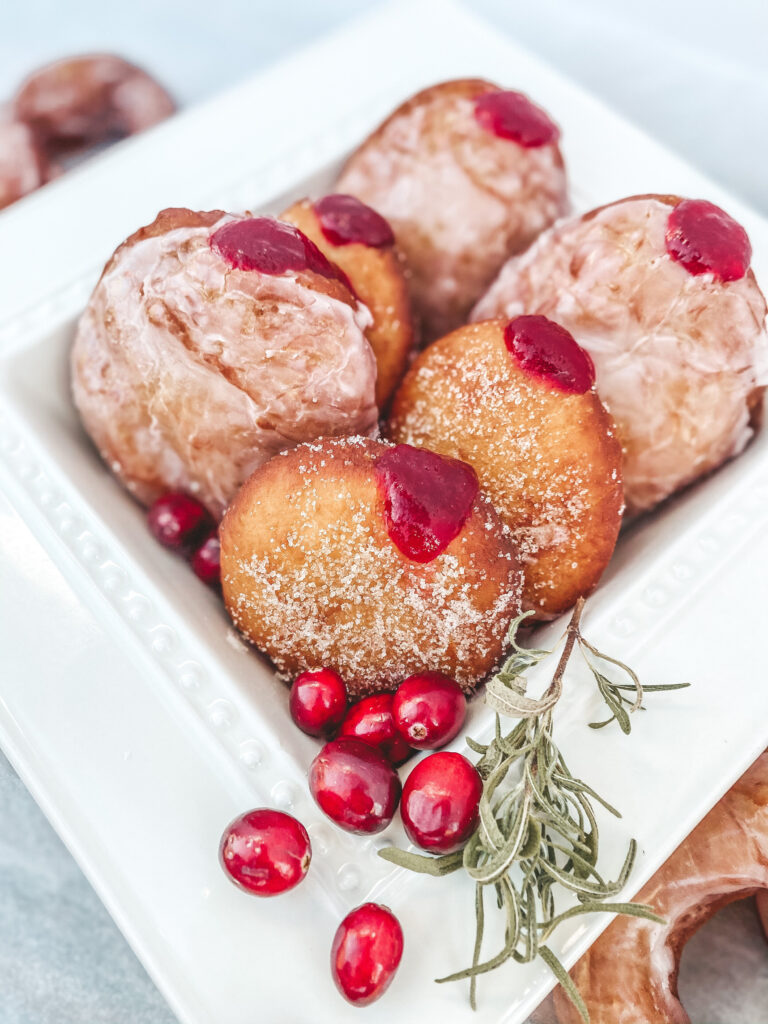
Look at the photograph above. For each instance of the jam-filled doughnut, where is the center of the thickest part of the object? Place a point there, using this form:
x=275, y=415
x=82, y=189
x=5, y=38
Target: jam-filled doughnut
x=629, y=975
x=377, y=561
x=467, y=174
x=515, y=399
x=361, y=242
x=659, y=291
x=80, y=101
x=210, y=343
x=23, y=162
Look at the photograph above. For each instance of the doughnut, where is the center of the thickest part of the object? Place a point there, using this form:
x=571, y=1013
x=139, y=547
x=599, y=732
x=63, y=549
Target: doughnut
x=374, y=560
x=210, y=343
x=658, y=290
x=762, y=910
x=516, y=401
x=629, y=975
x=80, y=101
x=467, y=174
x=361, y=242
x=23, y=163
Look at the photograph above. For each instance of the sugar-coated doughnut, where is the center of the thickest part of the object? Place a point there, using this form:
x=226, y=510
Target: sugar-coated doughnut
x=377, y=561
x=467, y=174
x=516, y=401
x=210, y=343
x=80, y=101
x=362, y=243
x=659, y=292
x=629, y=975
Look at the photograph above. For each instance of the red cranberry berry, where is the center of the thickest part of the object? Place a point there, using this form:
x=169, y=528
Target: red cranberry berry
x=344, y=220
x=370, y=720
x=366, y=952
x=318, y=702
x=355, y=785
x=206, y=561
x=429, y=709
x=271, y=247
x=178, y=521
x=705, y=240
x=427, y=499
x=547, y=351
x=265, y=852
x=441, y=799
x=511, y=115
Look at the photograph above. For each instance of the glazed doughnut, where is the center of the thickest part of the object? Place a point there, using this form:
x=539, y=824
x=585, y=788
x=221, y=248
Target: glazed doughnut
x=23, y=163
x=659, y=291
x=361, y=242
x=629, y=976
x=467, y=174
x=81, y=101
x=210, y=343
x=377, y=561
x=516, y=401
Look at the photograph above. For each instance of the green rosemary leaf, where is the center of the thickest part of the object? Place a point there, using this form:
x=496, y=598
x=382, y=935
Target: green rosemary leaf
x=436, y=866
x=565, y=980
x=538, y=831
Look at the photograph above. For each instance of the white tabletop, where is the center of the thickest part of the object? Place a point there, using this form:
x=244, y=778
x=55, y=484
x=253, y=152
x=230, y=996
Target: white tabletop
x=694, y=74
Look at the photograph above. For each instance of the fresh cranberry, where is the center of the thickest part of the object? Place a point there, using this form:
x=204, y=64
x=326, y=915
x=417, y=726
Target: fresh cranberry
x=370, y=720
x=206, y=561
x=546, y=350
x=511, y=115
x=427, y=499
x=429, y=709
x=344, y=220
x=271, y=247
x=705, y=240
x=178, y=521
x=366, y=952
x=265, y=852
x=441, y=799
x=355, y=785
x=318, y=701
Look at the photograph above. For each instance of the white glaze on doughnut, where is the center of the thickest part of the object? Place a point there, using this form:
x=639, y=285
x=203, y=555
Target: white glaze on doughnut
x=679, y=358
x=189, y=374
x=460, y=199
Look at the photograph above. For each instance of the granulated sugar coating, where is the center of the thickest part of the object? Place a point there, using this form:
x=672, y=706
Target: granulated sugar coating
x=312, y=578
x=547, y=459
x=681, y=356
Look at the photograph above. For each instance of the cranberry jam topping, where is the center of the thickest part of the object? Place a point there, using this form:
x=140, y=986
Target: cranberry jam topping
x=427, y=499
x=549, y=352
x=705, y=240
x=511, y=115
x=271, y=247
x=344, y=220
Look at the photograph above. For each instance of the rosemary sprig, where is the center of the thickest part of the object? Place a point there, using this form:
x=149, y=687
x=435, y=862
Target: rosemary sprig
x=538, y=827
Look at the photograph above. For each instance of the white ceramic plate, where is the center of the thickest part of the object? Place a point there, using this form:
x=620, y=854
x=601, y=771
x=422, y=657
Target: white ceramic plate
x=132, y=711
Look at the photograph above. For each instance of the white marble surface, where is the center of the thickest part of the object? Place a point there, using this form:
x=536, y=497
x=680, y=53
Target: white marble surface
x=692, y=72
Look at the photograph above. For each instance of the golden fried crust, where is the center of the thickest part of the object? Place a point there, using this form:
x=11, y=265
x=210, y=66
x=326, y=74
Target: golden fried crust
x=549, y=461
x=378, y=277
x=312, y=578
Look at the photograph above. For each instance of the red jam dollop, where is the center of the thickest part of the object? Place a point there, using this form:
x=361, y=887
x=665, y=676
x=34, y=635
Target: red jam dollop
x=427, y=499
x=511, y=115
x=705, y=240
x=344, y=220
x=549, y=352
x=271, y=247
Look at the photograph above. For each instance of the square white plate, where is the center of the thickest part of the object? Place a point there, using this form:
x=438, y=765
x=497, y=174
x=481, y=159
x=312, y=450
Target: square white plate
x=137, y=718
